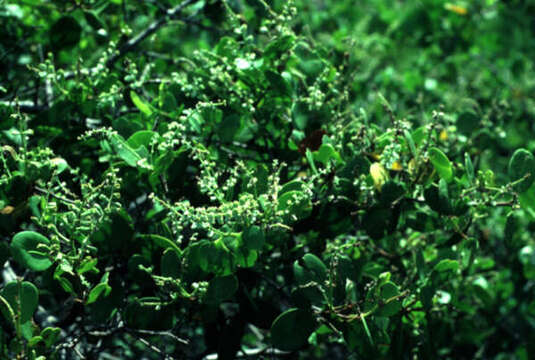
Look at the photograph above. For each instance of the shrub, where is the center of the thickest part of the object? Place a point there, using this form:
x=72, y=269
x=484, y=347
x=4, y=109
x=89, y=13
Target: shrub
x=219, y=177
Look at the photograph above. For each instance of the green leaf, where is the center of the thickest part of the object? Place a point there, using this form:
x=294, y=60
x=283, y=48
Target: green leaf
x=125, y=151
x=213, y=257
x=316, y=267
x=7, y=310
x=418, y=135
x=443, y=192
x=242, y=255
x=60, y=164
x=21, y=295
x=469, y=167
x=468, y=122
x=527, y=202
x=24, y=248
x=253, y=238
x=170, y=264
x=279, y=84
x=297, y=204
x=410, y=142
x=88, y=264
x=50, y=335
x=522, y=164
x=143, y=106
x=310, y=269
x=65, y=284
x=141, y=138
x=34, y=341
x=161, y=242
x=27, y=330
x=391, y=307
x=221, y=288
x=291, y=329
x=228, y=127
x=279, y=46
x=441, y=163
x=512, y=227
x=294, y=185
x=446, y=265
x=326, y=153
x=310, y=158
x=100, y=290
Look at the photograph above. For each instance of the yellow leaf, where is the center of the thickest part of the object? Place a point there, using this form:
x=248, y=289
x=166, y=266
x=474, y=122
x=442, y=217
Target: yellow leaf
x=7, y=210
x=11, y=151
x=412, y=166
x=379, y=175
x=443, y=135
x=460, y=10
x=396, y=166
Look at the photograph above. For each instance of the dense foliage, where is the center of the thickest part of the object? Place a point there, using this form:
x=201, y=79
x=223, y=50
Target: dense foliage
x=267, y=179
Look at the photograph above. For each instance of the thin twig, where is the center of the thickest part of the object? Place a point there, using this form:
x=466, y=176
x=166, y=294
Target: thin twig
x=57, y=197
x=155, y=26
x=160, y=333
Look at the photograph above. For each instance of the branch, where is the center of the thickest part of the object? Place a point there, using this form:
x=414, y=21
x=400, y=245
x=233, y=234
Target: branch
x=155, y=26
x=57, y=197
x=270, y=351
x=127, y=47
x=122, y=51
x=24, y=106
x=159, y=333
